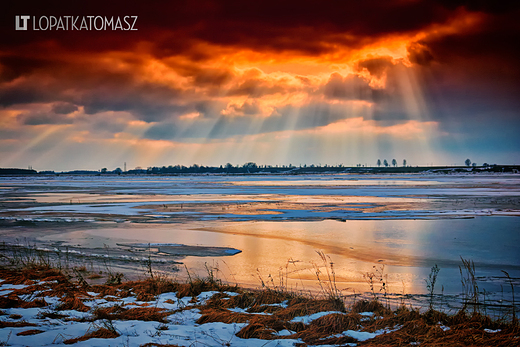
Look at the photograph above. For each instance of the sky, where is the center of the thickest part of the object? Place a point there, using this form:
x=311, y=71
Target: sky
x=273, y=82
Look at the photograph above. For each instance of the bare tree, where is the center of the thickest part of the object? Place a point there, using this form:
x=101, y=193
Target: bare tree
x=250, y=165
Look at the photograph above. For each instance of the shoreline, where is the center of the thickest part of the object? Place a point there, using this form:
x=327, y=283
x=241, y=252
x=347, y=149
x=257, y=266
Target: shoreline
x=104, y=265
x=64, y=308
x=405, y=224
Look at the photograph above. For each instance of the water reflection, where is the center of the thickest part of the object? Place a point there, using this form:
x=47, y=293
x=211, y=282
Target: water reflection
x=406, y=248
x=280, y=222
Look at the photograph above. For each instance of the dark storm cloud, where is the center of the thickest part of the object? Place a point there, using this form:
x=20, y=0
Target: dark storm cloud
x=491, y=49
x=14, y=66
x=419, y=54
x=459, y=73
x=175, y=27
x=24, y=94
x=148, y=102
x=375, y=66
x=69, y=84
x=474, y=73
x=64, y=108
x=40, y=118
x=352, y=87
x=162, y=131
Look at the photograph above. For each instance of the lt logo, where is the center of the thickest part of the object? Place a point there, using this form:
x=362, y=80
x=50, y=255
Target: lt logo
x=24, y=20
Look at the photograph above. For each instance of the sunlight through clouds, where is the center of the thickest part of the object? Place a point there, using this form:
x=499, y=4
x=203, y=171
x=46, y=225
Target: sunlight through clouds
x=333, y=87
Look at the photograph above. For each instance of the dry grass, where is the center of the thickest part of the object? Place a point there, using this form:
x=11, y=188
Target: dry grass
x=335, y=323
x=404, y=325
x=10, y=301
x=263, y=327
x=13, y=301
x=53, y=283
x=4, y=324
x=27, y=275
x=393, y=319
x=255, y=301
x=370, y=306
x=51, y=315
x=298, y=307
x=100, y=333
x=318, y=332
x=135, y=313
x=72, y=303
x=30, y=332
x=197, y=286
x=257, y=330
x=459, y=330
x=418, y=331
x=266, y=326
x=224, y=316
x=34, y=303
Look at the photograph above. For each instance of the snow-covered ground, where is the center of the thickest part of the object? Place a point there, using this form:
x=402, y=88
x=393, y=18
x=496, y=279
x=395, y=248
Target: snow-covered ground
x=49, y=326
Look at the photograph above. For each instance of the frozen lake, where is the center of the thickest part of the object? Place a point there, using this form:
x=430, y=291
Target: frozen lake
x=395, y=226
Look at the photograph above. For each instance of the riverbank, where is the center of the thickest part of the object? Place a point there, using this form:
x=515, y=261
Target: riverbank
x=43, y=305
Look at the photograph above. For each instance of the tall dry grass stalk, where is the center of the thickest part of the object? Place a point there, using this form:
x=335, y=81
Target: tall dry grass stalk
x=515, y=321
x=469, y=286
x=328, y=284
x=430, y=283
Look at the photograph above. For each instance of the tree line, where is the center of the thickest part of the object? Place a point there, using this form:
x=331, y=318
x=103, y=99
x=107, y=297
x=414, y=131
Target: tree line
x=386, y=164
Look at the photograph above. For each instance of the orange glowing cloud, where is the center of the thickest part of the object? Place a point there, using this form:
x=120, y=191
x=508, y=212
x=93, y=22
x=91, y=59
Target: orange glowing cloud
x=235, y=79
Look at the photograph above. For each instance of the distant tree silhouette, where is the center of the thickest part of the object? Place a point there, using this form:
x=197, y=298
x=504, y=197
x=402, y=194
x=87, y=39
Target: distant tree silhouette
x=394, y=162
x=250, y=165
x=468, y=162
x=404, y=162
x=229, y=166
x=385, y=163
x=104, y=170
x=474, y=164
x=379, y=162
